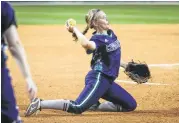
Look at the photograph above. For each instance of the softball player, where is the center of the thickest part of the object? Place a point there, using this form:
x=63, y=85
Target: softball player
x=9, y=111
x=99, y=82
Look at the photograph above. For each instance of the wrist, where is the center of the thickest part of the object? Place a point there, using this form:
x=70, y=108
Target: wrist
x=124, y=65
x=75, y=30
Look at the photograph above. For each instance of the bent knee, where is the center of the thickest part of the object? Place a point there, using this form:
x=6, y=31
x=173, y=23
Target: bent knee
x=132, y=105
x=128, y=106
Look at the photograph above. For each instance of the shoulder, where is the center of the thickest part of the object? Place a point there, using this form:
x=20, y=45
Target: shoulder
x=104, y=37
x=7, y=15
x=6, y=9
x=98, y=37
x=111, y=33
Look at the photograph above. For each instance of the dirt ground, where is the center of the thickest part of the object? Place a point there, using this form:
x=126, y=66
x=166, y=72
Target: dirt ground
x=59, y=65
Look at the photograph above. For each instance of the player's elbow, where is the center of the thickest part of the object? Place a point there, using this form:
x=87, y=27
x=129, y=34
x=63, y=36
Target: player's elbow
x=86, y=46
x=89, y=45
x=14, y=48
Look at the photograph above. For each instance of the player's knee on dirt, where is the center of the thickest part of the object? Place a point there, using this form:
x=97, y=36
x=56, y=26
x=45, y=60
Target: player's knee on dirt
x=75, y=108
x=131, y=106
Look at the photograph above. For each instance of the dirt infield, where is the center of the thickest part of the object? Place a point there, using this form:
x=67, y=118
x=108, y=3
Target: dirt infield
x=59, y=66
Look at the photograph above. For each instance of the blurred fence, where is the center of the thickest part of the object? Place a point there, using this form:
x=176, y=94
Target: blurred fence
x=94, y=3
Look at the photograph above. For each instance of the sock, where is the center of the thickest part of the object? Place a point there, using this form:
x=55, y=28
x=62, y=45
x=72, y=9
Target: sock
x=109, y=106
x=60, y=104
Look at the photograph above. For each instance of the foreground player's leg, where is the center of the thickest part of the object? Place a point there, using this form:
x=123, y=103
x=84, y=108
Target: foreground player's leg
x=9, y=110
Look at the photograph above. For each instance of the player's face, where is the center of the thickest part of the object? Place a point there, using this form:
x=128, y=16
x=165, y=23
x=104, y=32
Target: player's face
x=102, y=21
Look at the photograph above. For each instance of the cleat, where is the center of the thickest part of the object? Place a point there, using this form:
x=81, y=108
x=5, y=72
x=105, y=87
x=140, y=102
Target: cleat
x=34, y=107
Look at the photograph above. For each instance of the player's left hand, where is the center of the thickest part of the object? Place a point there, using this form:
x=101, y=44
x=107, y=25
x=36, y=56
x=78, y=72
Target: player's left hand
x=31, y=88
x=70, y=24
x=139, y=72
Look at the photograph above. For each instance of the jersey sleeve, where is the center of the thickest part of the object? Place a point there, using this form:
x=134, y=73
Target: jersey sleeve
x=96, y=41
x=7, y=16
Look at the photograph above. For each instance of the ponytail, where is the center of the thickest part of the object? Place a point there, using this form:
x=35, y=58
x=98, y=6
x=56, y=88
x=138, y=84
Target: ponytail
x=86, y=30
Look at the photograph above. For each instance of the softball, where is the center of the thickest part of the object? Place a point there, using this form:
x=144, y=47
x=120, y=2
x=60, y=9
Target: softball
x=71, y=22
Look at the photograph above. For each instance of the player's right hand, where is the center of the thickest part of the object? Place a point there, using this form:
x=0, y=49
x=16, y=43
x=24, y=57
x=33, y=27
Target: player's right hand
x=70, y=29
x=31, y=89
x=70, y=24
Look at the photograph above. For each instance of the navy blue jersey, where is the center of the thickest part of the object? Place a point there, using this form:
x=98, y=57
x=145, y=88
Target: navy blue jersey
x=7, y=19
x=107, y=55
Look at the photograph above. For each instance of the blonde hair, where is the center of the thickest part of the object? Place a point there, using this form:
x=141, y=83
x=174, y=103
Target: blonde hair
x=88, y=18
